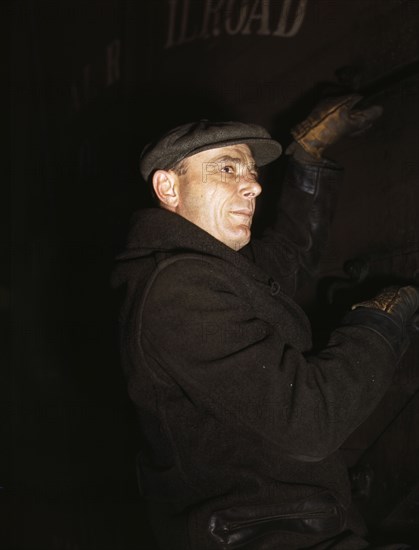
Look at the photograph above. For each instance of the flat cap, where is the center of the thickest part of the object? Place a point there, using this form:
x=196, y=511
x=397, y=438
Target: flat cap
x=188, y=139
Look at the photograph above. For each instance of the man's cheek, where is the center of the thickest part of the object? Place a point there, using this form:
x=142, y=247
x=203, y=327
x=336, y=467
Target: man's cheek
x=209, y=170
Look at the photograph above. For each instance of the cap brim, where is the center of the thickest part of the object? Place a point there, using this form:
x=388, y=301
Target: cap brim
x=263, y=150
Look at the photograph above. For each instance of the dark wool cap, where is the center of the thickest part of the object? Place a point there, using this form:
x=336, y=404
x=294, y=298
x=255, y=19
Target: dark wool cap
x=189, y=139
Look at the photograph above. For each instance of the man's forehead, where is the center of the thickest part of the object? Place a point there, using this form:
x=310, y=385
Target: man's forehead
x=239, y=153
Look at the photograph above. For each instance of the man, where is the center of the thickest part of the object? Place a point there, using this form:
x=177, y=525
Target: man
x=240, y=422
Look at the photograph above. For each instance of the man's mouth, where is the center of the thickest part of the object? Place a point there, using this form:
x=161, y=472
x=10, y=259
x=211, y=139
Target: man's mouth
x=246, y=213
x=243, y=217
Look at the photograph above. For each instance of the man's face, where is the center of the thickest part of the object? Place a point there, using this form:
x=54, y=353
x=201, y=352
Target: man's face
x=218, y=193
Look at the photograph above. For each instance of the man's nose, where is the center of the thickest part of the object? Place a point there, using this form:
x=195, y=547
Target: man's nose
x=251, y=188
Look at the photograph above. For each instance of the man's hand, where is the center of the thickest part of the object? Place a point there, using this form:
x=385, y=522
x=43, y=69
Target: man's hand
x=392, y=313
x=401, y=303
x=331, y=120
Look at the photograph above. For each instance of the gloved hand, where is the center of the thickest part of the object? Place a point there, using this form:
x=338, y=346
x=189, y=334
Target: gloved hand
x=393, y=313
x=401, y=303
x=331, y=120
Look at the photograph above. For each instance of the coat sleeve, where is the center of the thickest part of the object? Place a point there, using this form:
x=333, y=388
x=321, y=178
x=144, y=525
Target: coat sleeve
x=204, y=337
x=291, y=249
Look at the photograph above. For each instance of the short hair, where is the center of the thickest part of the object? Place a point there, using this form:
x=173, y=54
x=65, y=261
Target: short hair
x=181, y=167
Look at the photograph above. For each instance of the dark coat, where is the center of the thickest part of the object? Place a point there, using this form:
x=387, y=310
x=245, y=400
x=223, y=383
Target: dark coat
x=240, y=422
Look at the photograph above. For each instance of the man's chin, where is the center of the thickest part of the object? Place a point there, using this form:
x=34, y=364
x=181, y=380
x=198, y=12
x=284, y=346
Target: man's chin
x=239, y=243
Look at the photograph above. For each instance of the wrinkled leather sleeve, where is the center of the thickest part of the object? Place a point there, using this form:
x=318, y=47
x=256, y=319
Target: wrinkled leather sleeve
x=291, y=249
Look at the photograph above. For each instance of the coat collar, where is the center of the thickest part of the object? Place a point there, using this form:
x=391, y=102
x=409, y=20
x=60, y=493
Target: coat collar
x=159, y=230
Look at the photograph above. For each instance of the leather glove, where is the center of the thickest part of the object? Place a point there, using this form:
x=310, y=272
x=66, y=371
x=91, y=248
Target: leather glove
x=399, y=302
x=331, y=120
x=392, y=313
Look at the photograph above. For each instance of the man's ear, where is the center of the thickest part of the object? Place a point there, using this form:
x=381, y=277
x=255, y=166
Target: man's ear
x=166, y=187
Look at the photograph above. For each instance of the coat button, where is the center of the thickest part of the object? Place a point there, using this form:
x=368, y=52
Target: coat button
x=275, y=288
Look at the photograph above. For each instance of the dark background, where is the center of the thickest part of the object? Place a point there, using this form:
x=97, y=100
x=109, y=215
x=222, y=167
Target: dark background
x=91, y=83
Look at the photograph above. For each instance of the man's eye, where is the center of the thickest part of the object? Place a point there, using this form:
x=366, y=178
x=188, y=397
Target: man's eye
x=227, y=169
